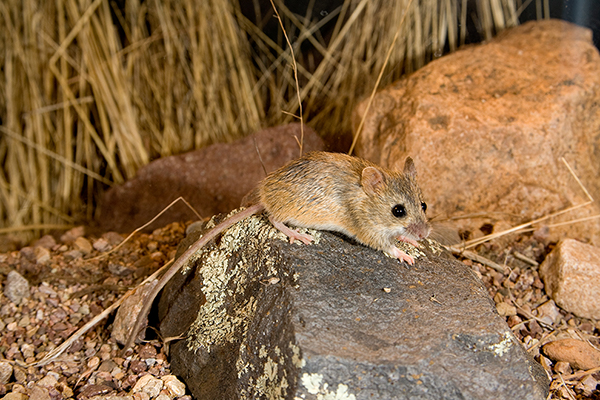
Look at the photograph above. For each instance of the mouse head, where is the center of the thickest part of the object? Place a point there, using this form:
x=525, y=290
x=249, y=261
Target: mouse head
x=399, y=206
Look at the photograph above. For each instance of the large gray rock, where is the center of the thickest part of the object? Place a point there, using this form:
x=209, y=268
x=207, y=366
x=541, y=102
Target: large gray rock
x=262, y=318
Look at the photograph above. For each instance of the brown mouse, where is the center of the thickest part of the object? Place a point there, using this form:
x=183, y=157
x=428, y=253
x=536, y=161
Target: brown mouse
x=337, y=192
x=333, y=192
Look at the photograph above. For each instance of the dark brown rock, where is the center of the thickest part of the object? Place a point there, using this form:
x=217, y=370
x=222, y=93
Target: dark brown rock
x=487, y=127
x=213, y=179
x=263, y=318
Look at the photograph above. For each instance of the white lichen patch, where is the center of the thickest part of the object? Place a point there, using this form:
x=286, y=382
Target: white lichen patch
x=313, y=383
x=409, y=249
x=270, y=265
x=502, y=347
x=269, y=384
x=434, y=246
x=262, y=352
x=297, y=359
x=242, y=367
x=214, y=324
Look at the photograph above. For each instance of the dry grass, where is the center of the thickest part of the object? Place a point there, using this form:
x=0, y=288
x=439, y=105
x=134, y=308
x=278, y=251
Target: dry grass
x=90, y=92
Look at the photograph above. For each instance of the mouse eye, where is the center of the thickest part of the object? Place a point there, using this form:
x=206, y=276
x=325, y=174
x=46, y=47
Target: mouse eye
x=424, y=206
x=399, y=211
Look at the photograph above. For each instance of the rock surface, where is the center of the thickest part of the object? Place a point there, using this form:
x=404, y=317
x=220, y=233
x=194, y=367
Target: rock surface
x=213, y=179
x=487, y=127
x=337, y=320
x=571, y=275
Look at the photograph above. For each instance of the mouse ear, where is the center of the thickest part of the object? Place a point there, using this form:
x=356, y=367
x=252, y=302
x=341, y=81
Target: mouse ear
x=372, y=181
x=409, y=168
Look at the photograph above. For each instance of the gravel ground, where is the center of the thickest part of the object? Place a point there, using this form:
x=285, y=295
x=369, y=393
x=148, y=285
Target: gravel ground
x=68, y=284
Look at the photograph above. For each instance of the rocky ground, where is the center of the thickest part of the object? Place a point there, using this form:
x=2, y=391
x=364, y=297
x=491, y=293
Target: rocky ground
x=67, y=283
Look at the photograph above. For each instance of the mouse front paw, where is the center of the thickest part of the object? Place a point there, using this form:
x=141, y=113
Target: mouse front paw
x=399, y=254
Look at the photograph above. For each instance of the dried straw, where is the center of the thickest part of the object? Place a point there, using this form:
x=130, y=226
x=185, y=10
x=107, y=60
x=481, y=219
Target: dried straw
x=90, y=92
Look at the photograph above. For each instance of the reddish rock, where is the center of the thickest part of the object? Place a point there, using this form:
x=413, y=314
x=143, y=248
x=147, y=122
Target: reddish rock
x=577, y=353
x=487, y=127
x=213, y=179
x=571, y=274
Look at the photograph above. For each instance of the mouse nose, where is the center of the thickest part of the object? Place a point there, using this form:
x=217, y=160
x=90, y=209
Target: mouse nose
x=422, y=230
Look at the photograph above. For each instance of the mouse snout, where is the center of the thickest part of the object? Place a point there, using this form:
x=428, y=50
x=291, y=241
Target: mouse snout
x=419, y=230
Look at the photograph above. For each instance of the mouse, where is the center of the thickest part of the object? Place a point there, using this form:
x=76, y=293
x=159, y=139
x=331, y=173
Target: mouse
x=333, y=192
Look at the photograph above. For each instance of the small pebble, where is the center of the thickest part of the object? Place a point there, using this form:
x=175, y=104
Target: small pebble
x=15, y=396
x=588, y=385
x=39, y=393
x=46, y=315
x=94, y=390
x=73, y=255
x=28, y=253
x=48, y=381
x=152, y=246
x=46, y=289
x=24, y=322
x=46, y=241
x=138, y=366
x=83, y=245
x=149, y=385
x=42, y=255
x=65, y=390
x=147, y=351
x=548, y=312
x=506, y=310
x=101, y=245
x=20, y=375
x=72, y=234
x=113, y=238
x=563, y=367
x=174, y=385
x=141, y=396
x=107, y=366
x=16, y=288
x=119, y=269
x=27, y=350
x=93, y=362
x=6, y=371
x=577, y=353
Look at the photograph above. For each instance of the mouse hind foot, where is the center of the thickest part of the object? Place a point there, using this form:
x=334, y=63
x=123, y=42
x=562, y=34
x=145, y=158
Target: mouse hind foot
x=292, y=234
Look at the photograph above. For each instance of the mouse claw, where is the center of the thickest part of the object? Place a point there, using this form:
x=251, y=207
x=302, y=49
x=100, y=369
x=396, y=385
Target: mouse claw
x=402, y=256
x=292, y=234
